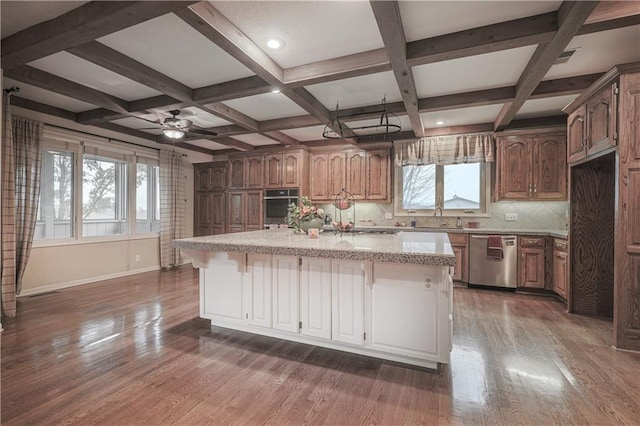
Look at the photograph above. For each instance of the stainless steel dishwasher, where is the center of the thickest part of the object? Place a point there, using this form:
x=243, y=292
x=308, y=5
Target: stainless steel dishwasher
x=484, y=270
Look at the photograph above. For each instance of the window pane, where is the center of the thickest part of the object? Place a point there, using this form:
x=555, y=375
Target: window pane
x=462, y=186
x=147, y=199
x=418, y=187
x=142, y=193
x=104, y=197
x=55, y=209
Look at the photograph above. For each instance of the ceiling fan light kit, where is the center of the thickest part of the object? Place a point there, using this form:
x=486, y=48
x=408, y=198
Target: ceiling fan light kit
x=173, y=133
x=388, y=125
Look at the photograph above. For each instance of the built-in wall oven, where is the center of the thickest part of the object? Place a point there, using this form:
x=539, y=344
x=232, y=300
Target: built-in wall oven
x=276, y=203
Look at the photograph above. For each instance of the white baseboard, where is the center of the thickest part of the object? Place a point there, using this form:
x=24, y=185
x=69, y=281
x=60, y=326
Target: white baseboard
x=58, y=286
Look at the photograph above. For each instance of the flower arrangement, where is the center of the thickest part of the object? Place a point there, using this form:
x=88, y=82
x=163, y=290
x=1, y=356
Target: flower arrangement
x=304, y=211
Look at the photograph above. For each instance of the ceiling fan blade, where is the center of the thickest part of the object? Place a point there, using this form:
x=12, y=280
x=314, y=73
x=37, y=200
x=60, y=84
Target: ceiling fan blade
x=202, y=132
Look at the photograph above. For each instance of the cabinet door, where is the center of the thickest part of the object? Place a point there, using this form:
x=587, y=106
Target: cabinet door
x=531, y=267
x=515, y=166
x=218, y=212
x=601, y=121
x=219, y=177
x=576, y=135
x=291, y=170
x=253, y=210
x=273, y=171
x=254, y=172
x=236, y=173
x=347, y=298
x=560, y=277
x=285, y=282
x=378, y=175
x=202, y=177
x=357, y=174
x=550, y=168
x=319, y=177
x=202, y=214
x=221, y=289
x=337, y=174
x=236, y=211
x=315, y=297
x=258, y=285
x=459, y=273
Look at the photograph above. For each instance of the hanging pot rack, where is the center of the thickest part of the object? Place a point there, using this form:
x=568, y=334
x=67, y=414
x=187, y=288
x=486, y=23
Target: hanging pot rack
x=388, y=124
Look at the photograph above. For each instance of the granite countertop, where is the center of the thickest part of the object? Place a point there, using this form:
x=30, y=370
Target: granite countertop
x=422, y=248
x=560, y=233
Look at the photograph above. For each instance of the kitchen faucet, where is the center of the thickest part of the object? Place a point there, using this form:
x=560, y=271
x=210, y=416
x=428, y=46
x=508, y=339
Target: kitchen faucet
x=435, y=212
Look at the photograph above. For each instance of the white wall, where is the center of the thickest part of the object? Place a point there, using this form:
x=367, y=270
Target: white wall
x=60, y=266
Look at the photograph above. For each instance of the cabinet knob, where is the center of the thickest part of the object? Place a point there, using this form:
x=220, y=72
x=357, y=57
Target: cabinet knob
x=535, y=188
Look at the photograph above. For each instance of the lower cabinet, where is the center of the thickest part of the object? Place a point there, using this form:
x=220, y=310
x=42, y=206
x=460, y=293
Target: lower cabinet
x=315, y=297
x=532, y=262
x=258, y=285
x=401, y=299
x=560, y=273
x=460, y=246
x=285, y=280
x=400, y=312
x=347, y=288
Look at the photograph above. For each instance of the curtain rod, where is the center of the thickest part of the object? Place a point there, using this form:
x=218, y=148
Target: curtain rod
x=109, y=139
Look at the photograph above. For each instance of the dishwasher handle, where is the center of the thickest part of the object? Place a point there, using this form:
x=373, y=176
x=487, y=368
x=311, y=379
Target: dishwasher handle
x=486, y=237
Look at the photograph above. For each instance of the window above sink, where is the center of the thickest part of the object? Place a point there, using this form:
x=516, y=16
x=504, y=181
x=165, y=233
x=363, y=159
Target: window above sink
x=460, y=189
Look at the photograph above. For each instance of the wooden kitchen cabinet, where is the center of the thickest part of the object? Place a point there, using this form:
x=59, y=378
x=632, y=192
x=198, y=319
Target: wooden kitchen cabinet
x=531, y=166
x=378, y=186
x=245, y=211
x=460, y=246
x=592, y=128
x=356, y=166
x=328, y=175
x=209, y=210
x=366, y=174
x=532, y=262
x=560, y=272
x=285, y=169
x=210, y=176
x=246, y=172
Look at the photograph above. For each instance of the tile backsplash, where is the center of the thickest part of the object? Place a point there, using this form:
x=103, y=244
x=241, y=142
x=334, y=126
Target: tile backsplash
x=531, y=215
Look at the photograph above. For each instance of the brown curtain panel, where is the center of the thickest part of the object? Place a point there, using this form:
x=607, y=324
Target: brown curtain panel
x=172, y=206
x=21, y=161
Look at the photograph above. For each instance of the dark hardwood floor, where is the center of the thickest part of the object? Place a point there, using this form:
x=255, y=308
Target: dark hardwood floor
x=133, y=351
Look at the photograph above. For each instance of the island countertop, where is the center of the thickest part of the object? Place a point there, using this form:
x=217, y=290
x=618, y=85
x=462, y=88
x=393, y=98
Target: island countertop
x=421, y=248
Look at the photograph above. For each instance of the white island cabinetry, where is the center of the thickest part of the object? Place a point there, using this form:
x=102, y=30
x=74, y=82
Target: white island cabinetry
x=396, y=311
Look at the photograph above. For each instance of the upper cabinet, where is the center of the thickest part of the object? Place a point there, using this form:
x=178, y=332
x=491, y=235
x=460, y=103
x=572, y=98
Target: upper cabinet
x=531, y=166
x=210, y=176
x=592, y=127
x=246, y=172
x=285, y=169
x=365, y=174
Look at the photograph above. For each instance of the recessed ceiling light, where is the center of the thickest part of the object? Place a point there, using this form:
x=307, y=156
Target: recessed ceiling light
x=439, y=123
x=274, y=43
x=275, y=91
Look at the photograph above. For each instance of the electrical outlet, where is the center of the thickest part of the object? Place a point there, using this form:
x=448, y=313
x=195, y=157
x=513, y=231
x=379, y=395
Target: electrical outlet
x=349, y=215
x=511, y=217
x=388, y=215
x=137, y=258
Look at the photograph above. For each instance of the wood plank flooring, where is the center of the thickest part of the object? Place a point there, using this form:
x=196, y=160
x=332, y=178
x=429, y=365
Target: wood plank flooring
x=133, y=351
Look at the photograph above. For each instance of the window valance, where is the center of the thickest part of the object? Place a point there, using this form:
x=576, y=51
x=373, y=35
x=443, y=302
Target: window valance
x=443, y=150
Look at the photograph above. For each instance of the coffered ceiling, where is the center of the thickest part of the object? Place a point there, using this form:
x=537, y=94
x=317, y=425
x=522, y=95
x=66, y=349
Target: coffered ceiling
x=472, y=65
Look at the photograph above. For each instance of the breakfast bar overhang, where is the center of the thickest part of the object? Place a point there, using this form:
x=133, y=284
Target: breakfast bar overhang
x=385, y=296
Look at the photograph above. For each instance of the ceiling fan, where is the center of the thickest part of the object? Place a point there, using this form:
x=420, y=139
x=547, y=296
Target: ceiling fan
x=175, y=128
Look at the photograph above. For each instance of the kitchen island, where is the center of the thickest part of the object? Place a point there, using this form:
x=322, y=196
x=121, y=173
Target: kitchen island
x=386, y=296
